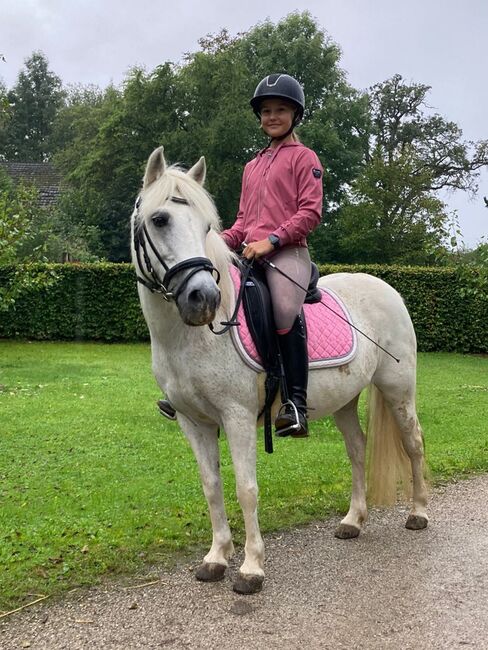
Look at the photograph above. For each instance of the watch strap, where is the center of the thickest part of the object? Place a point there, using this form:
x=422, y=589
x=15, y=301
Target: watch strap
x=275, y=240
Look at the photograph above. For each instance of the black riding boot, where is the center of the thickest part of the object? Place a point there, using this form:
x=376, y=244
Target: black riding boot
x=293, y=348
x=167, y=409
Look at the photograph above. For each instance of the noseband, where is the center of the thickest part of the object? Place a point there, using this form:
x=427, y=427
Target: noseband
x=150, y=277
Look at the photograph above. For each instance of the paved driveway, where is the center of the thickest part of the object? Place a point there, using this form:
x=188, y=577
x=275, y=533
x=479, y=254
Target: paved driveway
x=390, y=588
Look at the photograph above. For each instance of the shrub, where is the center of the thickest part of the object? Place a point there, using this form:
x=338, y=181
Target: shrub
x=84, y=302
x=100, y=302
x=446, y=317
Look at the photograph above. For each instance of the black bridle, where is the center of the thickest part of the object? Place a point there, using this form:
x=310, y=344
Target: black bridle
x=150, y=277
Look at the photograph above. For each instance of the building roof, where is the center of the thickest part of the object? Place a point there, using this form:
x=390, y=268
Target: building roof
x=42, y=175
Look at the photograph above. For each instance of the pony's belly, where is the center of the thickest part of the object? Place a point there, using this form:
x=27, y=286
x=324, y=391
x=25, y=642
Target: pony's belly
x=329, y=389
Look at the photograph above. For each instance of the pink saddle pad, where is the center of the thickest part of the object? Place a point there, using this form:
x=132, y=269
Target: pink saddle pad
x=331, y=340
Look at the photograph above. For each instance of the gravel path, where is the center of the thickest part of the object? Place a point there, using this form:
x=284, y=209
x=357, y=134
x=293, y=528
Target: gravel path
x=390, y=588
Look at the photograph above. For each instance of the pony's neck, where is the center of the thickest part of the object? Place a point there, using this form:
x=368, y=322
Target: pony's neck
x=222, y=257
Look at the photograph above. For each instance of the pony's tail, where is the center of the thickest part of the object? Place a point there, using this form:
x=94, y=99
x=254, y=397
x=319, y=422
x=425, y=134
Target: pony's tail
x=388, y=466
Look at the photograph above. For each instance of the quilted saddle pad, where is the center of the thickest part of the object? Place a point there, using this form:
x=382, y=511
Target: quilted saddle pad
x=331, y=340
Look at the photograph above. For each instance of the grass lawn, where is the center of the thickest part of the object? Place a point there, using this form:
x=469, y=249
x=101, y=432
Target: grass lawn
x=94, y=482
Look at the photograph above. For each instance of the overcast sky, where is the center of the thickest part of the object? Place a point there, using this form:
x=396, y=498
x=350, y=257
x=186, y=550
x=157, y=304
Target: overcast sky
x=442, y=43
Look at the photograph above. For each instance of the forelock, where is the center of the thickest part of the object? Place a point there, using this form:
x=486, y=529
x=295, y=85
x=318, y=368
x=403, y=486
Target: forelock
x=176, y=182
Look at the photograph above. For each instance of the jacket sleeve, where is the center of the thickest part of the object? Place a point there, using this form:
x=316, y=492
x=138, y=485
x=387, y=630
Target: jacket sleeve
x=234, y=236
x=308, y=177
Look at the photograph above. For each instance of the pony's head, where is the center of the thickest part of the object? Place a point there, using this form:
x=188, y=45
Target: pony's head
x=171, y=223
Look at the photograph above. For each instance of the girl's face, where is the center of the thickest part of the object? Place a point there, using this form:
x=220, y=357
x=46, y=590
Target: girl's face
x=276, y=116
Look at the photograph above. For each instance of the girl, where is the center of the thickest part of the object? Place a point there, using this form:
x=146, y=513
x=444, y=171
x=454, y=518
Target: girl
x=280, y=204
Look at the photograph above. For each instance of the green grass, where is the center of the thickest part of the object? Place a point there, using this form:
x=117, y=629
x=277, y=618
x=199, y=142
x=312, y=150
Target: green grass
x=93, y=482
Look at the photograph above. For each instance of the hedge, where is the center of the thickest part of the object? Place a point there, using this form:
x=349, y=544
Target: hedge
x=100, y=302
x=83, y=302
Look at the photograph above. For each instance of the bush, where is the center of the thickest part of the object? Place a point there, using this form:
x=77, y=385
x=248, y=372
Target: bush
x=83, y=302
x=100, y=302
x=446, y=318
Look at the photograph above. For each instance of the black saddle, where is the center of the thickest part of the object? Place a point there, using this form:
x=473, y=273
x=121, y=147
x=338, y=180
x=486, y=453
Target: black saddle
x=313, y=293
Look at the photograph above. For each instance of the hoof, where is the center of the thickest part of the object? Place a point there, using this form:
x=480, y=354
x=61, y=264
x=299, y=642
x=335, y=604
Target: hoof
x=346, y=531
x=249, y=584
x=416, y=522
x=211, y=572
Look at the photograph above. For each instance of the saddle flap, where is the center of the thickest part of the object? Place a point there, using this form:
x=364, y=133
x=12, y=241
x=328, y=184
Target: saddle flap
x=258, y=312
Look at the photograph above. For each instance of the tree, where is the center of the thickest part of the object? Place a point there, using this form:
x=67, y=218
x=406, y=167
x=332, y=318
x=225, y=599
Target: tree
x=202, y=107
x=392, y=213
x=34, y=101
x=75, y=131
x=107, y=140
x=18, y=210
x=5, y=113
x=62, y=233
x=18, y=206
x=214, y=119
x=77, y=120
x=390, y=218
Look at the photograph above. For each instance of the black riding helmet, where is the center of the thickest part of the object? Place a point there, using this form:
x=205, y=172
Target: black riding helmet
x=279, y=85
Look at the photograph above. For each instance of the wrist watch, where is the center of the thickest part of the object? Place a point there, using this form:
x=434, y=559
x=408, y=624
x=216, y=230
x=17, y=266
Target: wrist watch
x=275, y=240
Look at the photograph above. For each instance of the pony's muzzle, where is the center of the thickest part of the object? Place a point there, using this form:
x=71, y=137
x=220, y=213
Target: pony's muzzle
x=199, y=305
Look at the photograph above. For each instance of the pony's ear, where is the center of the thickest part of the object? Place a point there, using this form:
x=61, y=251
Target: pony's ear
x=155, y=167
x=198, y=171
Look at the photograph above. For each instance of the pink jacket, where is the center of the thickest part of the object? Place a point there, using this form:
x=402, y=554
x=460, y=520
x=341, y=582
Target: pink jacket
x=281, y=195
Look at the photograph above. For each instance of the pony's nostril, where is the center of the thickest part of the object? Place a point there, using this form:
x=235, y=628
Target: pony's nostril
x=201, y=299
x=195, y=296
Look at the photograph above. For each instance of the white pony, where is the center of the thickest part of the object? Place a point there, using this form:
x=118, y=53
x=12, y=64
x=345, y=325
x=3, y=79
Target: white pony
x=175, y=235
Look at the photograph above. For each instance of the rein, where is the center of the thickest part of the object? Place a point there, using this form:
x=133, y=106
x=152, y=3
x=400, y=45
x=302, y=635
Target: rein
x=150, y=277
x=233, y=322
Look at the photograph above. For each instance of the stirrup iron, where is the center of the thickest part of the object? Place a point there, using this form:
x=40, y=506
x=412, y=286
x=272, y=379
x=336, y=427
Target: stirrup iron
x=292, y=427
x=166, y=411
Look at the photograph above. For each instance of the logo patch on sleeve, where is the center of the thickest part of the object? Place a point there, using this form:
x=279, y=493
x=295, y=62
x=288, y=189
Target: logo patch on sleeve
x=316, y=172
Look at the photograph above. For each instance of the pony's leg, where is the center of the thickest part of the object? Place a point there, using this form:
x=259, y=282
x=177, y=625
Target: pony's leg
x=347, y=422
x=241, y=434
x=405, y=414
x=204, y=442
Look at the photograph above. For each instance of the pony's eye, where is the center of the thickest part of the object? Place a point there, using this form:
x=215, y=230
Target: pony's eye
x=160, y=219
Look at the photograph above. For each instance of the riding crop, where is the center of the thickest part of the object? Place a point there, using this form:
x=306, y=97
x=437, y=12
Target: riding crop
x=273, y=266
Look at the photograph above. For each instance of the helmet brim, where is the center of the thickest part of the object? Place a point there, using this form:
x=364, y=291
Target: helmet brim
x=257, y=101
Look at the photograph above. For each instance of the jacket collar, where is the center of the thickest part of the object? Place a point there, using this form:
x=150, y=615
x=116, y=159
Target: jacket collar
x=293, y=143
